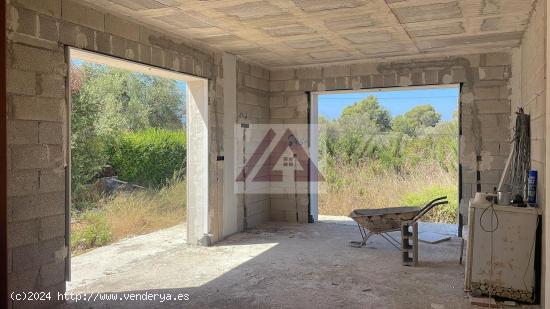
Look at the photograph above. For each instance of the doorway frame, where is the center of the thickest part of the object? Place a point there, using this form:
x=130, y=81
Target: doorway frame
x=313, y=123
x=197, y=130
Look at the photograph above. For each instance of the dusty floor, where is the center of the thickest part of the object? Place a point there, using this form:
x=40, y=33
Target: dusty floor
x=275, y=266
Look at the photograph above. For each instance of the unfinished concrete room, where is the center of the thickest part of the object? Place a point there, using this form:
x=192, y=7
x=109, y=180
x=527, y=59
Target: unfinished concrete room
x=274, y=154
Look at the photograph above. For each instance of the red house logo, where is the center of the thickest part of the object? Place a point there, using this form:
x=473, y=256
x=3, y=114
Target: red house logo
x=268, y=172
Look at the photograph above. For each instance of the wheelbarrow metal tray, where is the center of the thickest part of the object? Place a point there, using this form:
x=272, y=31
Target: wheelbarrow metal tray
x=383, y=219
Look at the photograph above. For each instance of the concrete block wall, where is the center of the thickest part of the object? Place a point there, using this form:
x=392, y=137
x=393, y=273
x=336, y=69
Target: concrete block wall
x=38, y=34
x=529, y=78
x=485, y=110
x=252, y=108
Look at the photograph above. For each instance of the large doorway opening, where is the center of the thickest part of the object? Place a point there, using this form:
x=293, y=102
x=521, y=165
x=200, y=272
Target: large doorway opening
x=387, y=147
x=129, y=155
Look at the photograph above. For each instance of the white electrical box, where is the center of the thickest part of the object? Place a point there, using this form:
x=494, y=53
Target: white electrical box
x=501, y=252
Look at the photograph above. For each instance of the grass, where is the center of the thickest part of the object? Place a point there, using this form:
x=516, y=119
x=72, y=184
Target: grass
x=128, y=213
x=350, y=187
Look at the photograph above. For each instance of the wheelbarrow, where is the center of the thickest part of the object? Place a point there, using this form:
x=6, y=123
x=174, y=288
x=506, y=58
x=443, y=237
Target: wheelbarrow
x=384, y=220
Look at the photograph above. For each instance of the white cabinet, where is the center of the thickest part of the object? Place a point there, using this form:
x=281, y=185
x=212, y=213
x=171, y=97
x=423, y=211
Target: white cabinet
x=501, y=254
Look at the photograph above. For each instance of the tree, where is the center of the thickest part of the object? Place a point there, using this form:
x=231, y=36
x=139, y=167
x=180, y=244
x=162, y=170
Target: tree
x=107, y=102
x=421, y=116
x=371, y=111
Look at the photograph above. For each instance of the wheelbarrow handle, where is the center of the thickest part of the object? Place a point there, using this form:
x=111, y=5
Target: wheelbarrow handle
x=431, y=202
x=424, y=210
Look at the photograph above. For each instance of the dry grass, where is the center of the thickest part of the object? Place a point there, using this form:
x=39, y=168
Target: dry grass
x=145, y=212
x=127, y=214
x=351, y=187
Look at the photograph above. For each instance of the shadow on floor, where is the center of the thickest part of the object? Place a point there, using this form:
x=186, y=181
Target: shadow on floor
x=282, y=265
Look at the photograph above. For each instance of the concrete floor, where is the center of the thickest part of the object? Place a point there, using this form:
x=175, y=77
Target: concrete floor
x=275, y=266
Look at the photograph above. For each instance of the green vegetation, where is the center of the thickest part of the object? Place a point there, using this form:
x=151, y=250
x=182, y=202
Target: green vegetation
x=133, y=123
x=370, y=160
x=442, y=213
x=129, y=213
x=108, y=103
x=149, y=157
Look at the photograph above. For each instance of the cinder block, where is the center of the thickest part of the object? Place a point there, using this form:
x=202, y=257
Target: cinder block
x=52, y=181
x=497, y=59
x=36, y=206
x=22, y=21
x=309, y=73
x=277, y=215
x=22, y=183
x=23, y=233
x=122, y=27
x=489, y=162
x=36, y=156
x=495, y=148
x=186, y=64
x=277, y=101
x=282, y=74
x=157, y=56
x=416, y=78
x=21, y=82
x=493, y=73
x=366, y=82
x=49, y=28
x=342, y=83
x=48, y=7
x=24, y=281
x=52, y=274
x=282, y=112
x=37, y=59
x=79, y=14
x=26, y=257
x=259, y=72
x=474, y=60
x=52, y=227
x=458, y=75
x=50, y=133
x=277, y=85
x=22, y=132
x=10, y=260
x=404, y=80
x=297, y=100
x=50, y=85
x=377, y=80
x=364, y=69
x=492, y=106
x=256, y=83
x=487, y=93
x=131, y=52
x=356, y=82
x=242, y=67
x=495, y=134
x=430, y=77
x=103, y=43
x=336, y=71
x=118, y=45
x=390, y=80
x=490, y=176
x=34, y=108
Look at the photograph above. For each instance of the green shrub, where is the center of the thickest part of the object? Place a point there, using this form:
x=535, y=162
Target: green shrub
x=93, y=231
x=149, y=157
x=443, y=213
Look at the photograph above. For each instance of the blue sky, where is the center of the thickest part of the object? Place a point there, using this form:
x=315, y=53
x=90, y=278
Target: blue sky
x=444, y=100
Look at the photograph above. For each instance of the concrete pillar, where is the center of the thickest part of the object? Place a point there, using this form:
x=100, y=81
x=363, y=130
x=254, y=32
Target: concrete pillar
x=546, y=213
x=229, y=213
x=197, y=163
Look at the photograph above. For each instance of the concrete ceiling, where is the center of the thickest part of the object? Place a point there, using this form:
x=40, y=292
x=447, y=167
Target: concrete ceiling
x=280, y=33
